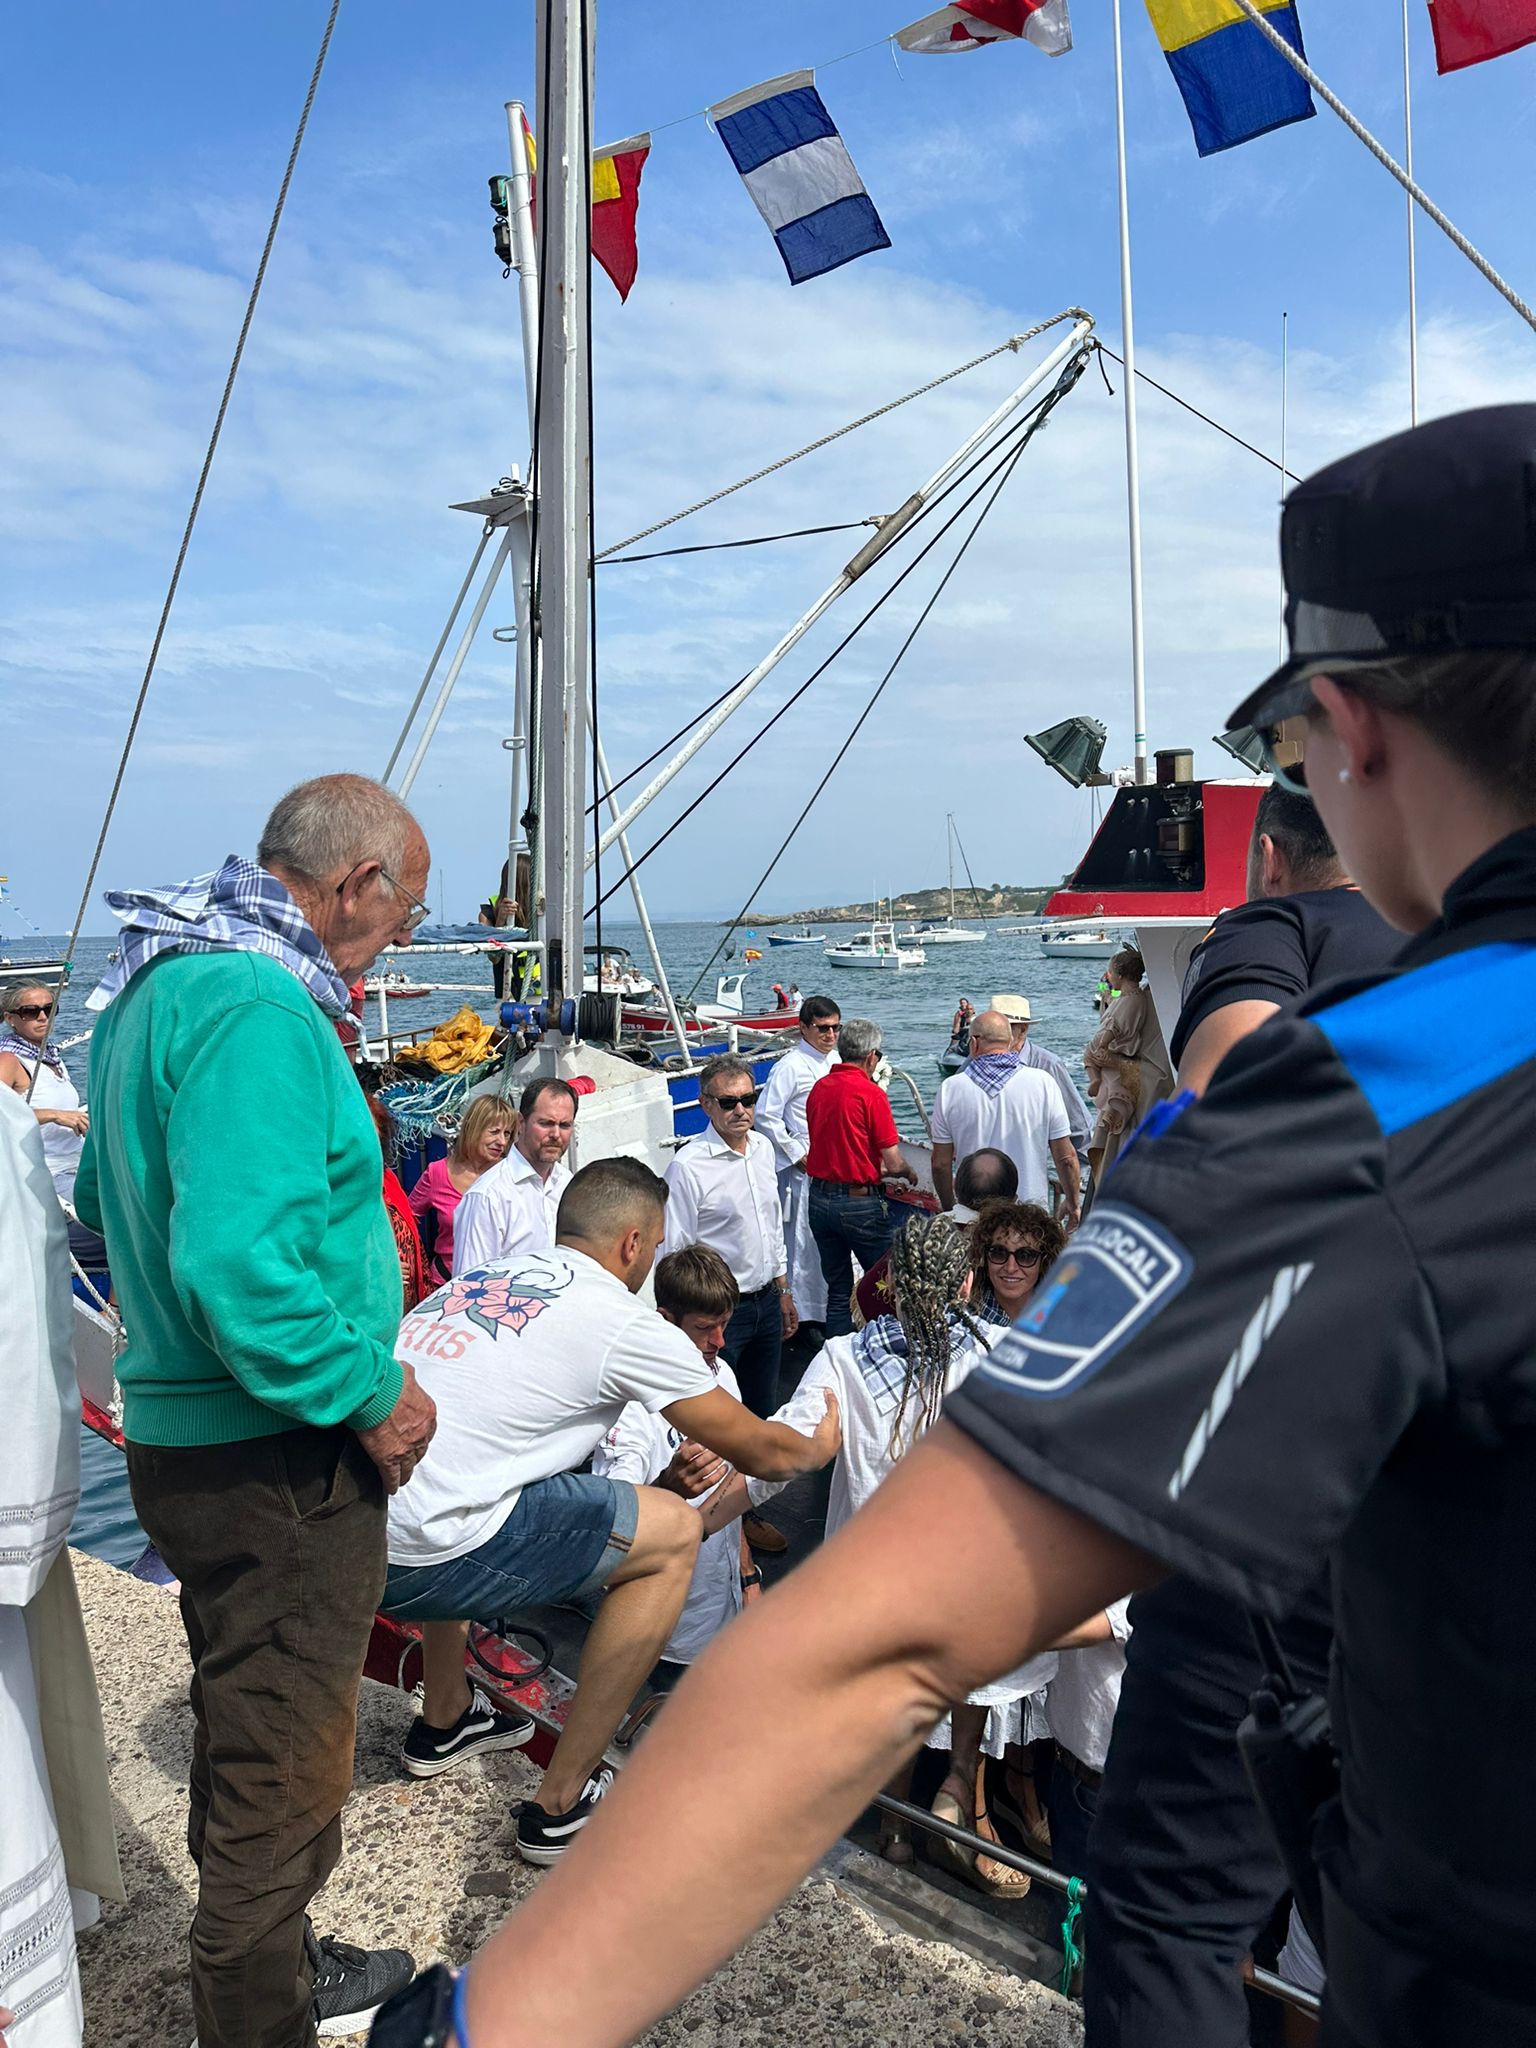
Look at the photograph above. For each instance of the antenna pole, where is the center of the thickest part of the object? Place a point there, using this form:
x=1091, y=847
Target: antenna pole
x=1132, y=460
x=1285, y=378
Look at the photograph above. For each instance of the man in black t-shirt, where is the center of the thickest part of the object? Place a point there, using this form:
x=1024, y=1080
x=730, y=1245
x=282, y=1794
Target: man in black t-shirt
x=1304, y=922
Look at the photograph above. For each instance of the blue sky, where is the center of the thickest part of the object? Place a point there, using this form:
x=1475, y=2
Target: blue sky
x=382, y=382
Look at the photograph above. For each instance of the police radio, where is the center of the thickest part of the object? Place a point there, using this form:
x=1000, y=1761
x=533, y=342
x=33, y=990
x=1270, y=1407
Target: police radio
x=1293, y=1766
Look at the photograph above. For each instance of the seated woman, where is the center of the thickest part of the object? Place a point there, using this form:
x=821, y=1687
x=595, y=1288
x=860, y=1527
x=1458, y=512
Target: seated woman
x=1126, y=1061
x=484, y=1138
x=27, y=1012
x=1013, y=1246
x=891, y=1378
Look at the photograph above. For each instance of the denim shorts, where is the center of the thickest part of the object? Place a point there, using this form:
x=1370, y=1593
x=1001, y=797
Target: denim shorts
x=566, y=1536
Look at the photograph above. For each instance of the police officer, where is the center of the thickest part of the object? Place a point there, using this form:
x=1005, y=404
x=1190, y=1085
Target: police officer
x=1183, y=1872
x=1299, y=1326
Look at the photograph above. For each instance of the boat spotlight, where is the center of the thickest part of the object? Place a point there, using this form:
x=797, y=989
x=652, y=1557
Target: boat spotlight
x=1244, y=745
x=1073, y=748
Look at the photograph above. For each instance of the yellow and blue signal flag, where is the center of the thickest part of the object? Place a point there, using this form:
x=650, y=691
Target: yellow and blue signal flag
x=1235, y=84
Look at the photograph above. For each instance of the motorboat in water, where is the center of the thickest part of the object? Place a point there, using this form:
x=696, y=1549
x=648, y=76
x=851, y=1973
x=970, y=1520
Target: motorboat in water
x=876, y=951
x=803, y=937
x=615, y=975
x=1080, y=945
x=397, y=986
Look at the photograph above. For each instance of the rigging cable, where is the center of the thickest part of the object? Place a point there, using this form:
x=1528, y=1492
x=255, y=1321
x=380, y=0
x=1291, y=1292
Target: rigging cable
x=1023, y=431
x=710, y=547
x=1008, y=467
x=1015, y=343
x=197, y=495
x=1143, y=378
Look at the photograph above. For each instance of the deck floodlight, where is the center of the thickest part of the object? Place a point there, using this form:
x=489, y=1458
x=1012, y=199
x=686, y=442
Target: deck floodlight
x=1244, y=745
x=1073, y=748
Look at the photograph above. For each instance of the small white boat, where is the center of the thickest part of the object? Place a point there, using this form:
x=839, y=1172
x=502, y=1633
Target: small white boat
x=941, y=931
x=616, y=975
x=1080, y=945
x=398, y=986
x=875, y=951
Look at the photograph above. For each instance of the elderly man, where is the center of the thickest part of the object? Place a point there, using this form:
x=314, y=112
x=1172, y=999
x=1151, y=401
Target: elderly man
x=233, y=1168
x=854, y=1146
x=511, y=1208
x=723, y=1192
x=998, y=1100
x=1020, y=1018
x=781, y=1119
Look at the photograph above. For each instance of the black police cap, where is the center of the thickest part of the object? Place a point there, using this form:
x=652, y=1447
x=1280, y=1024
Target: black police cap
x=1424, y=543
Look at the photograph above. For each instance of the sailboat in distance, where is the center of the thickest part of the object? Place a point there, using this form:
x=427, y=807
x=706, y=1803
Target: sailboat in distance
x=943, y=931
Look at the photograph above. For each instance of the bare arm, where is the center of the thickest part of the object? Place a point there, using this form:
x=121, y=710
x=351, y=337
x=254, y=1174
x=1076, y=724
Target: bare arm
x=766, y=1450
x=893, y=1164
x=1098, y=1628
x=882, y=1628
x=1071, y=1180
x=1214, y=1037
x=944, y=1175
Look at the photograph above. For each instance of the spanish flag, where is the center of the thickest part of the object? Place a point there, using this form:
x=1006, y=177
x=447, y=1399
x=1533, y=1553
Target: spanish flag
x=615, y=203
x=1235, y=84
x=1470, y=31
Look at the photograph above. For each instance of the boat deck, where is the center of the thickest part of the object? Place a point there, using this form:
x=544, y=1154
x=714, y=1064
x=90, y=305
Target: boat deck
x=431, y=1867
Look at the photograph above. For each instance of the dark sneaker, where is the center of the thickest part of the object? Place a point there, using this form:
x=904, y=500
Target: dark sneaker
x=479, y=1728
x=352, y=1983
x=544, y=1837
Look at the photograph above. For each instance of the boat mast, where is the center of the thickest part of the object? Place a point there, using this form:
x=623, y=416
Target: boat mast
x=1132, y=457
x=949, y=828
x=562, y=478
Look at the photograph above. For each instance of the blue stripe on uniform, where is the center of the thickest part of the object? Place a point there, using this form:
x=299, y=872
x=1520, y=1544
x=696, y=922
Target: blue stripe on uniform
x=1424, y=1040
x=833, y=235
x=768, y=127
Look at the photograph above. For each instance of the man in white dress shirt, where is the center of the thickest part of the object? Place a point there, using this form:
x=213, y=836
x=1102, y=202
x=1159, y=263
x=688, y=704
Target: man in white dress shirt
x=998, y=1100
x=1016, y=1009
x=724, y=1192
x=511, y=1207
x=781, y=1119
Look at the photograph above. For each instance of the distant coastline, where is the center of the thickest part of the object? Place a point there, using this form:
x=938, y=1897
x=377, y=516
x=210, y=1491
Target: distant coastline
x=1013, y=900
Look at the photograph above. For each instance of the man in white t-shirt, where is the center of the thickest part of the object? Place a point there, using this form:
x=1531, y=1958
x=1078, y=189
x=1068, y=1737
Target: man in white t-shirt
x=998, y=1101
x=695, y=1291
x=511, y=1208
x=530, y=1362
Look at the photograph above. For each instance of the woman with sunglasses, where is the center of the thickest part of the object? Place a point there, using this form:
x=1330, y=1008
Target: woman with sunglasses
x=1013, y=1246
x=26, y=1017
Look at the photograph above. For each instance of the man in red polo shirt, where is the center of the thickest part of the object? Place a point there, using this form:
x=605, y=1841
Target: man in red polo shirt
x=853, y=1147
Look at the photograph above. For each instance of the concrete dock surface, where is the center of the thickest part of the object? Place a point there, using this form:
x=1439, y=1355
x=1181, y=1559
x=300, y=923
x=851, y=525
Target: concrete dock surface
x=431, y=1867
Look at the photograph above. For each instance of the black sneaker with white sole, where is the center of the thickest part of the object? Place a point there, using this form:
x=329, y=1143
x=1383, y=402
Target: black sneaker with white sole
x=352, y=1983
x=544, y=1837
x=479, y=1728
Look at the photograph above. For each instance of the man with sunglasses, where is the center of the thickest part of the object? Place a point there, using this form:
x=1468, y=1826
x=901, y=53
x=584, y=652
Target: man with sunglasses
x=723, y=1191
x=233, y=1167
x=781, y=1119
x=1298, y=1330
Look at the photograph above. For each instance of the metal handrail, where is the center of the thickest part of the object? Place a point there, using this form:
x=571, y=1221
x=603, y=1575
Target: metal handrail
x=901, y=1074
x=1060, y=1881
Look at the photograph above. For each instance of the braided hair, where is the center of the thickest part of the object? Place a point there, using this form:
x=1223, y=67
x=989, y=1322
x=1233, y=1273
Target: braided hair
x=930, y=1263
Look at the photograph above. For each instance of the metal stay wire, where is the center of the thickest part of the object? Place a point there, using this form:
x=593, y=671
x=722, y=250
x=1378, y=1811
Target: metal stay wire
x=202, y=483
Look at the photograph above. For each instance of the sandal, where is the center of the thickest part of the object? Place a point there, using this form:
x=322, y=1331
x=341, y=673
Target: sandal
x=1033, y=1834
x=1002, y=1881
x=954, y=1857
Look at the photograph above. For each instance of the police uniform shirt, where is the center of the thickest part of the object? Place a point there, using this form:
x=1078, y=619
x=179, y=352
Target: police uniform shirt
x=1277, y=948
x=1300, y=1324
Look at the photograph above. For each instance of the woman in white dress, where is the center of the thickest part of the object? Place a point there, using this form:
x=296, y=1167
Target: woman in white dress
x=27, y=1012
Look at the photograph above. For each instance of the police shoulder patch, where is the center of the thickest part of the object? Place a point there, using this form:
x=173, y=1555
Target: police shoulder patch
x=1118, y=1272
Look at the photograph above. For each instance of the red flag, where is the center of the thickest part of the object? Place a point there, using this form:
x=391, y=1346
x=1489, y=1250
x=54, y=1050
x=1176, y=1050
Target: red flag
x=615, y=203
x=1471, y=31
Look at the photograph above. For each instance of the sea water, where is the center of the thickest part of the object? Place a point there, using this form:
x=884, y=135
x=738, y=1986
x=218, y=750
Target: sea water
x=913, y=1006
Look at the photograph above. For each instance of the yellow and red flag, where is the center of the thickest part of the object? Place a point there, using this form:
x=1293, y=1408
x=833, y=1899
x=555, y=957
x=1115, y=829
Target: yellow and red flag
x=615, y=204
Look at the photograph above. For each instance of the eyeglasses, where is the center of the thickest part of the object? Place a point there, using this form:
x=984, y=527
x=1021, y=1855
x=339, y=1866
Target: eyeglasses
x=1004, y=1255
x=33, y=1010
x=819, y=1025
x=730, y=1102
x=418, y=913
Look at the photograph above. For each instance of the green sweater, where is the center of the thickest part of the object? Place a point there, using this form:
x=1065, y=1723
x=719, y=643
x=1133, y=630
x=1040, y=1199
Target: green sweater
x=234, y=1170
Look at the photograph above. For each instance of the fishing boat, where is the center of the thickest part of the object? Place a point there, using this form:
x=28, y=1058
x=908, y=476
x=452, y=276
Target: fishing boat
x=944, y=931
x=397, y=985
x=804, y=937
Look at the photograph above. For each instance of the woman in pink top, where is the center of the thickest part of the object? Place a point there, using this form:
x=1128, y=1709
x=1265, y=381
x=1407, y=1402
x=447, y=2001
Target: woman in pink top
x=485, y=1136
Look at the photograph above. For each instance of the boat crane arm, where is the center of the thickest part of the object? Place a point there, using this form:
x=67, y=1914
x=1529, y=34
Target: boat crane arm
x=880, y=1630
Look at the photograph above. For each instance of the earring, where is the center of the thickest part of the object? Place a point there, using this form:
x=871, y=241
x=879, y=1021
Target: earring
x=1345, y=776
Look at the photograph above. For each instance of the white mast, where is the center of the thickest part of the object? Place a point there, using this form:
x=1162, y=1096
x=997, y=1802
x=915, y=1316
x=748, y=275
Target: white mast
x=1132, y=463
x=1285, y=400
x=1413, y=274
x=562, y=479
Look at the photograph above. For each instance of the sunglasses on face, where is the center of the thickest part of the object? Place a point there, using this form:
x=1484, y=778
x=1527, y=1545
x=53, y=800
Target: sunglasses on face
x=1006, y=1255
x=34, y=1010
x=833, y=1026
x=729, y=1102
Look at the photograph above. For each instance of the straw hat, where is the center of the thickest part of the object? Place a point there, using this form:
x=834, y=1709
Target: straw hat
x=1015, y=1008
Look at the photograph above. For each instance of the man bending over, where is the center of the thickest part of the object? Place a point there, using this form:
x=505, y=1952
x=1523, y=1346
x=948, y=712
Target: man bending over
x=531, y=1361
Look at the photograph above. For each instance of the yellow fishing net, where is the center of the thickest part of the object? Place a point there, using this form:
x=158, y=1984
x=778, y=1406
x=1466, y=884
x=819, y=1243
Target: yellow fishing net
x=462, y=1042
